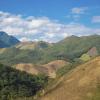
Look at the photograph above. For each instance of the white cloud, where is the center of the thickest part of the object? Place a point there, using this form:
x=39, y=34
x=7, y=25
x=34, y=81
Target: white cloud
x=96, y=19
x=79, y=10
x=24, y=39
x=76, y=13
x=40, y=28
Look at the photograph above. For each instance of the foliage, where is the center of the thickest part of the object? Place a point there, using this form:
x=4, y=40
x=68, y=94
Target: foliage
x=64, y=70
x=14, y=84
x=85, y=57
x=67, y=49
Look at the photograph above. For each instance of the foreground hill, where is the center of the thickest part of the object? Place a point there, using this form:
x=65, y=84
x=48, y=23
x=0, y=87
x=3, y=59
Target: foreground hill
x=40, y=53
x=7, y=40
x=82, y=83
x=15, y=84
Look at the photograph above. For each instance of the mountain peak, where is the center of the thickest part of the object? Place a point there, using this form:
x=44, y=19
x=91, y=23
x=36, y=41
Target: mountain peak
x=7, y=40
x=3, y=33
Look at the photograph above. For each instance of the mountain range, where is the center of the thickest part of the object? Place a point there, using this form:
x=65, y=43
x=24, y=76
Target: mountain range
x=40, y=70
x=42, y=52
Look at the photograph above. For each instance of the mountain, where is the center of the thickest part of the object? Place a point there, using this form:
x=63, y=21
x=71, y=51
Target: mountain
x=60, y=61
x=41, y=52
x=81, y=83
x=7, y=40
x=32, y=45
x=73, y=46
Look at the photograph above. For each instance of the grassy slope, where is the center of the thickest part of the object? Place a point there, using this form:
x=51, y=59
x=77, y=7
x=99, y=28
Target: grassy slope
x=82, y=83
x=73, y=46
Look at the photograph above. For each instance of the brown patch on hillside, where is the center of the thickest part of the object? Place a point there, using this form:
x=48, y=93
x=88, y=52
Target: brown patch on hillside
x=48, y=69
x=93, y=52
x=2, y=50
x=54, y=66
x=26, y=45
x=78, y=83
x=29, y=68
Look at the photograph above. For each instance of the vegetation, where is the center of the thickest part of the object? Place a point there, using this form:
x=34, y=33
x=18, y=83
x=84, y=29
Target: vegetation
x=62, y=71
x=67, y=49
x=85, y=57
x=15, y=84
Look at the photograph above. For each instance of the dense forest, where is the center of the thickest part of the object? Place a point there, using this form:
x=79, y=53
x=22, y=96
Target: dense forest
x=16, y=84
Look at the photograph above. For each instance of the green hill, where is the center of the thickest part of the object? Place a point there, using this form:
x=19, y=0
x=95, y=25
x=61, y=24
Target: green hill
x=32, y=45
x=68, y=49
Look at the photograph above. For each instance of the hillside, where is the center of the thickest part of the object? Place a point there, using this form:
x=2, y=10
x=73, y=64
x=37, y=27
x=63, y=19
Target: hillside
x=73, y=47
x=68, y=49
x=33, y=45
x=7, y=40
x=15, y=84
x=82, y=83
x=49, y=69
x=28, y=67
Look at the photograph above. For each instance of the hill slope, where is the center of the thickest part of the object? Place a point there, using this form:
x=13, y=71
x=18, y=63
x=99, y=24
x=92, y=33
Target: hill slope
x=68, y=49
x=73, y=47
x=82, y=83
x=33, y=45
x=49, y=69
x=15, y=84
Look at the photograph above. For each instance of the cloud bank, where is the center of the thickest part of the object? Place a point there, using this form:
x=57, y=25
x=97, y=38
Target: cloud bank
x=41, y=28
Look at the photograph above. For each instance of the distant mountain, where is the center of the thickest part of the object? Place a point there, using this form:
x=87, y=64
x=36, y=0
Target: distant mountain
x=7, y=40
x=41, y=53
x=30, y=45
x=73, y=46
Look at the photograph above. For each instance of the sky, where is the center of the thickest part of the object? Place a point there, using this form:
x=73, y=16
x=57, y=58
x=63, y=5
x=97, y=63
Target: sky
x=49, y=20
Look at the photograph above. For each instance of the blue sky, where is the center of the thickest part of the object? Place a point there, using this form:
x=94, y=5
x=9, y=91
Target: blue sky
x=49, y=20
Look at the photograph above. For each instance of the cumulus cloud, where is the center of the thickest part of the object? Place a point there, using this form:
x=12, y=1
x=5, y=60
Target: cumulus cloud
x=40, y=28
x=96, y=19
